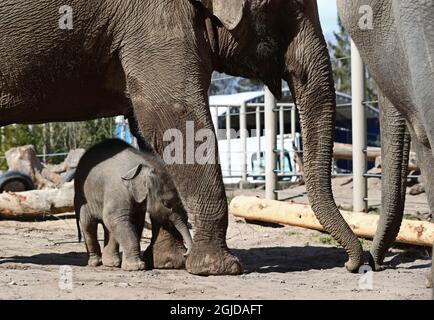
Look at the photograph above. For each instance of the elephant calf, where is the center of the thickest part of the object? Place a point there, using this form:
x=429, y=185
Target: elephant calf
x=115, y=185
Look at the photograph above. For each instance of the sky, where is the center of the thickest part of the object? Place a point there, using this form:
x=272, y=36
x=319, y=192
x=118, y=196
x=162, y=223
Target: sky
x=329, y=17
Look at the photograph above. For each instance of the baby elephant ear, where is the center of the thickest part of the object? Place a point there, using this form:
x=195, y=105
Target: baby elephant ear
x=132, y=173
x=229, y=12
x=136, y=181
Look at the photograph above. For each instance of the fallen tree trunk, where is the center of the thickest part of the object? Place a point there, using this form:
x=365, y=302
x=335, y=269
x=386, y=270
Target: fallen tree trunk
x=363, y=225
x=344, y=151
x=37, y=203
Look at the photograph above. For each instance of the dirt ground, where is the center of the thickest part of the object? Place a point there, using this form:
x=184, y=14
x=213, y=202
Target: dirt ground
x=280, y=263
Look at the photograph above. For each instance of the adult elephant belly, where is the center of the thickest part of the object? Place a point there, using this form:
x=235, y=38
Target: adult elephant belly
x=62, y=92
x=386, y=57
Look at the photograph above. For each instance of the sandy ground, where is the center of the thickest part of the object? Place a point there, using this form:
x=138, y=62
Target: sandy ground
x=280, y=263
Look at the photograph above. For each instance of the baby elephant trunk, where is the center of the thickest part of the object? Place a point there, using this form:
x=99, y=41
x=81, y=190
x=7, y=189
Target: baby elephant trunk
x=182, y=227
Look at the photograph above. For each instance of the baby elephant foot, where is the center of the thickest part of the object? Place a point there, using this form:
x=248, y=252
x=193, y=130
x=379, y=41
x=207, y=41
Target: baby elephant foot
x=111, y=260
x=94, y=261
x=133, y=265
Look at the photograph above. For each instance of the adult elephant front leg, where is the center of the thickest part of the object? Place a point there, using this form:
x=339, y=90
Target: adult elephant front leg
x=395, y=147
x=170, y=110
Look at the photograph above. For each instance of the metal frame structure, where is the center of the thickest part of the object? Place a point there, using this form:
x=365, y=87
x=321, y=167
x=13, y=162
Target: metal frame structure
x=274, y=113
x=271, y=107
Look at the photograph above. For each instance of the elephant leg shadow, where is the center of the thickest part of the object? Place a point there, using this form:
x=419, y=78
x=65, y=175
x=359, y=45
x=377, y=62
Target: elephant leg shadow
x=409, y=255
x=78, y=259
x=290, y=259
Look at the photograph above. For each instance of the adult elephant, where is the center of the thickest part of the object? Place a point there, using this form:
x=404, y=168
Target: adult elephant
x=154, y=59
x=396, y=41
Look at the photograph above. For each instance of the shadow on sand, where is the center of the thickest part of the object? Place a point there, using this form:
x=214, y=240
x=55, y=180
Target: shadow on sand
x=54, y=259
x=260, y=260
x=295, y=259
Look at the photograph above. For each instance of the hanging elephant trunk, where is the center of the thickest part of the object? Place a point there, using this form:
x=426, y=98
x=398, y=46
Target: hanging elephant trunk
x=309, y=75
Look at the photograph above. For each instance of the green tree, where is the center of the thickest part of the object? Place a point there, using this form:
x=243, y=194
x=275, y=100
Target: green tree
x=54, y=138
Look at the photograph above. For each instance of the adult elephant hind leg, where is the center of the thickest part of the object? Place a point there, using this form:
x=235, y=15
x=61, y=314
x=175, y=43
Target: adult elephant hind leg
x=110, y=254
x=166, y=250
x=395, y=148
x=200, y=186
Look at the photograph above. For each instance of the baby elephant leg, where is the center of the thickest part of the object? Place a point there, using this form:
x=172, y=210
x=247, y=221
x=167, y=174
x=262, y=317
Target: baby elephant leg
x=90, y=232
x=121, y=227
x=110, y=254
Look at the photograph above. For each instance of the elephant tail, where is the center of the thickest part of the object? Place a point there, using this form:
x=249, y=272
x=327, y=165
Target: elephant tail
x=78, y=229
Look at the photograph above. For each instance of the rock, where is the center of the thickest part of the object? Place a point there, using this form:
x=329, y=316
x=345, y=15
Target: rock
x=417, y=189
x=123, y=285
x=23, y=159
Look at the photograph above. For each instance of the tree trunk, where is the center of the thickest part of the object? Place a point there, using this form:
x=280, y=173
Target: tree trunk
x=298, y=215
x=37, y=203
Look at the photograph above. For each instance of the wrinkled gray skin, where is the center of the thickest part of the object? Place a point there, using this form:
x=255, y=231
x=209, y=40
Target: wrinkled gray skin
x=152, y=61
x=115, y=185
x=399, y=52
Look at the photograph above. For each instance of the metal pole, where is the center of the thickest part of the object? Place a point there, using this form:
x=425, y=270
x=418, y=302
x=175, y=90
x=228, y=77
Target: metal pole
x=293, y=132
x=270, y=143
x=123, y=127
x=228, y=139
x=243, y=137
x=282, y=139
x=215, y=118
x=360, y=190
x=258, y=137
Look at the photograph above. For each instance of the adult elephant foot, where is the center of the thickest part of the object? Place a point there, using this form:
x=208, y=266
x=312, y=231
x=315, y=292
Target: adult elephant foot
x=209, y=259
x=375, y=263
x=166, y=252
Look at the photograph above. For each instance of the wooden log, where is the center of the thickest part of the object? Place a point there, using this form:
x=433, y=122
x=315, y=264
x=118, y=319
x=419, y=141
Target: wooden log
x=412, y=163
x=363, y=225
x=37, y=203
x=344, y=151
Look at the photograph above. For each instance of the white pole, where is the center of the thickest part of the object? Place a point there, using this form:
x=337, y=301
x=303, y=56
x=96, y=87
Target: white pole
x=228, y=140
x=258, y=137
x=360, y=190
x=123, y=129
x=270, y=143
x=282, y=139
x=243, y=136
x=293, y=132
x=215, y=117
